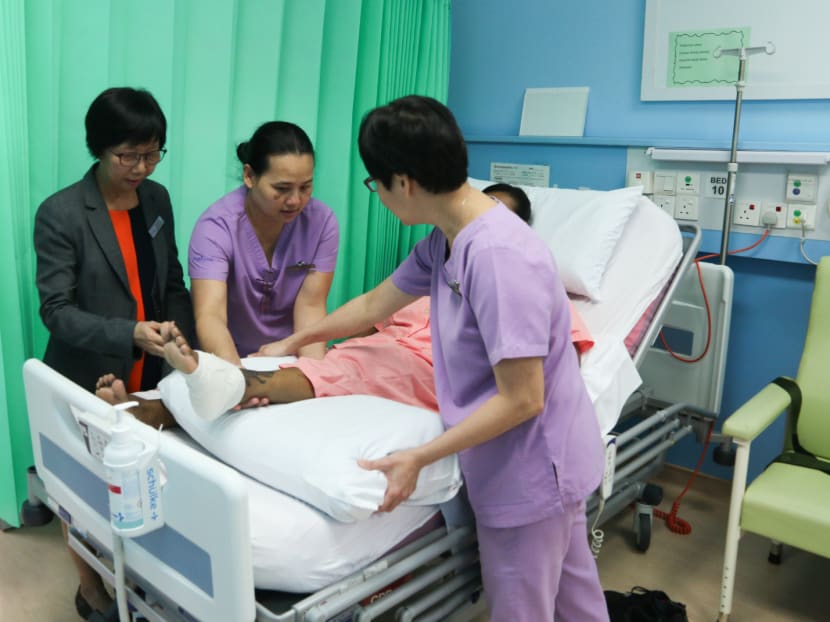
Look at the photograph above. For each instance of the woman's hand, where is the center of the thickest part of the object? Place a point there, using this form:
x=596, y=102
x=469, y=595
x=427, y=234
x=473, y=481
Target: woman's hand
x=401, y=469
x=275, y=348
x=147, y=336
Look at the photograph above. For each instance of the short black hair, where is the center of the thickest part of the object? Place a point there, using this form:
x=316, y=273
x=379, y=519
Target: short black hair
x=123, y=115
x=271, y=139
x=415, y=136
x=519, y=198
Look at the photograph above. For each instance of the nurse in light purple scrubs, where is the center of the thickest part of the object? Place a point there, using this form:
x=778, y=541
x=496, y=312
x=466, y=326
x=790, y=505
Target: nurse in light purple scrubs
x=261, y=259
x=507, y=377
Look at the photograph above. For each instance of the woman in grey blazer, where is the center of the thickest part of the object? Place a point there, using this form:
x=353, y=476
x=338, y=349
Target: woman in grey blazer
x=108, y=271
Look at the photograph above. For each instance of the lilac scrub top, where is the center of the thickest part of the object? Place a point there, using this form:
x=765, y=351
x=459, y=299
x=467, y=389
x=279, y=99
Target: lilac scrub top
x=224, y=247
x=498, y=296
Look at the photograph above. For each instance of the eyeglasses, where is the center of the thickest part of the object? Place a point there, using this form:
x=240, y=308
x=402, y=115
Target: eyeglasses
x=371, y=183
x=151, y=158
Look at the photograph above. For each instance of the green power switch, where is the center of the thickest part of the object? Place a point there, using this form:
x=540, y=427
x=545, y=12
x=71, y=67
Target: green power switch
x=797, y=183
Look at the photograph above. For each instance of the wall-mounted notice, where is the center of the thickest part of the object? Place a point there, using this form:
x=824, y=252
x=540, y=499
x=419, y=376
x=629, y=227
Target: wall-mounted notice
x=692, y=59
x=680, y=36
x=521, y=174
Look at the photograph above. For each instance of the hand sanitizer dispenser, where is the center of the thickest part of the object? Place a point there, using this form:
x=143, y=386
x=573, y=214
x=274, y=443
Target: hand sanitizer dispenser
x=133, y=480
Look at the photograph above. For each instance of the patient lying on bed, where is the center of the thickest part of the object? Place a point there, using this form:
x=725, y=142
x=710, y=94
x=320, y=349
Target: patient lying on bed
x=394, y=363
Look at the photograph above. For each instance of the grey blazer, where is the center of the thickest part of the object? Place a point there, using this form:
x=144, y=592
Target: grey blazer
x=85, y=299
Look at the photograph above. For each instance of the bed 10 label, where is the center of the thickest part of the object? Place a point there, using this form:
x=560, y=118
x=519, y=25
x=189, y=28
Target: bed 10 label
x=715, y=186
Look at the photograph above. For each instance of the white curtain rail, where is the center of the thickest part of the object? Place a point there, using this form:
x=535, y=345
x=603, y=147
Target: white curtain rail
x=814, y=158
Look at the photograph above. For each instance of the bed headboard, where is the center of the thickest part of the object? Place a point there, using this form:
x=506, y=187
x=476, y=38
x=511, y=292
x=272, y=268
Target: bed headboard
x=201, y=558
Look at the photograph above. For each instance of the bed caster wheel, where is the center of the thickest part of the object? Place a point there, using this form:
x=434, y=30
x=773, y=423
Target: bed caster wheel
x=642, y=532
x=775, y=551
x=35, y=514
x=652, y=495
x=724, y=454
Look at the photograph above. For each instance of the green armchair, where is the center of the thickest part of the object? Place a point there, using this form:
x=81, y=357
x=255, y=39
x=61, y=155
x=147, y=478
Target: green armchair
x=790, y=501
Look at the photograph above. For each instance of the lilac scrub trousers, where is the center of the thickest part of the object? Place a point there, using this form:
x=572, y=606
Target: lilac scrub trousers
x=224, y=247
x=498, y=296
x=519, y=569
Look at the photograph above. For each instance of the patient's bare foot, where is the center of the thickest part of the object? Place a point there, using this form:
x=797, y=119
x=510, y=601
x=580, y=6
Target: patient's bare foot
x=177, y=352
x=111, y=389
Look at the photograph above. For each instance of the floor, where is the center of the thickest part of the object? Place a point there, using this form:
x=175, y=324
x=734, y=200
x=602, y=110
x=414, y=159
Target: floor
x=37, y=581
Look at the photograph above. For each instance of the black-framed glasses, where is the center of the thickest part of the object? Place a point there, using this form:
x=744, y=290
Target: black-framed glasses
x=371, y=183
x=131, y=158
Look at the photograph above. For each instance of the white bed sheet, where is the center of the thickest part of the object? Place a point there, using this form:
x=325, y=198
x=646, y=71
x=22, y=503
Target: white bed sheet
x=640, y=267
x=296, y=548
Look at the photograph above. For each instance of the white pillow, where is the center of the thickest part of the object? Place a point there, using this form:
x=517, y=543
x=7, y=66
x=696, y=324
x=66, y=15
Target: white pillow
x=582, y=228
x=309, y=449
x=585, y=238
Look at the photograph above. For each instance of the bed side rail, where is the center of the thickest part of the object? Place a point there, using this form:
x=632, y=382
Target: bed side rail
x=691, y=236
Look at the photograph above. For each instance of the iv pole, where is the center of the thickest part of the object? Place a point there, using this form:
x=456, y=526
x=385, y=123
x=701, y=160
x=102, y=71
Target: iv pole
x=732, y=167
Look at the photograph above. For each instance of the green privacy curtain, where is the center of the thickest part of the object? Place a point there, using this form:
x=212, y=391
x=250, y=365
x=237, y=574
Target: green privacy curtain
x=16, y=278
x=219, y=68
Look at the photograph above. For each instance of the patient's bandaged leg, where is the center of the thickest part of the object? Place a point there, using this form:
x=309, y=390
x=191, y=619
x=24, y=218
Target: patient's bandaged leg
x=215, y=387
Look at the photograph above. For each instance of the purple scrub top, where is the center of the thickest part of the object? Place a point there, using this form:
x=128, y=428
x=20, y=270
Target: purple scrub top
x=224, y=247
x=498, y=296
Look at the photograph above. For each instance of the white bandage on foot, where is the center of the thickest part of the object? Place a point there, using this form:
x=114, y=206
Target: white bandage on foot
x=215, y=387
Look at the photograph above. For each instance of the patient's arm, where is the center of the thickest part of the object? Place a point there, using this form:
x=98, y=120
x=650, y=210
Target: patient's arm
x=278, y=387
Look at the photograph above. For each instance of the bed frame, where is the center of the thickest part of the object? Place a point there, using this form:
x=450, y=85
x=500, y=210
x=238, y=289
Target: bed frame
x=676, y=399
x=202, y=570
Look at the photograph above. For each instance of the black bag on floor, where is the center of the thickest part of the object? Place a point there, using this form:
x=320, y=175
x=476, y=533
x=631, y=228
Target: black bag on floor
x=642, y=605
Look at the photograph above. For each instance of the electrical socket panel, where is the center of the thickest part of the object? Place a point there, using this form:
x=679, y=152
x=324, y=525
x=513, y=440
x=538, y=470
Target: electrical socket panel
x=801, y=187
x=666, y=203
x=798, y=214
x=747, y=213
x=686, y=208
x=779, y=210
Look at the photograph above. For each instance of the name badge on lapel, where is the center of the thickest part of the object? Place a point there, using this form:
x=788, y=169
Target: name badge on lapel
x=157, y=225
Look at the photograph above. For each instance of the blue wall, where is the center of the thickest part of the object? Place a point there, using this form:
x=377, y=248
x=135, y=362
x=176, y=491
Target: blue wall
x=499, y=48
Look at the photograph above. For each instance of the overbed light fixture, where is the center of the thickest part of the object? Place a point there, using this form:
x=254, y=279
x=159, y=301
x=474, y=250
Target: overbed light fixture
x=810, y=158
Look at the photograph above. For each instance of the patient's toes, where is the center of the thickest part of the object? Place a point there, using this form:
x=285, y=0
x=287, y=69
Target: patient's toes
x=105, y=381
x=119, y=390
x=179, y=355
x=106, y=394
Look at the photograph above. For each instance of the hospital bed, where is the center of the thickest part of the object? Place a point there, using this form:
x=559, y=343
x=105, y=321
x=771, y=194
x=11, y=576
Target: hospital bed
x=234, y=549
